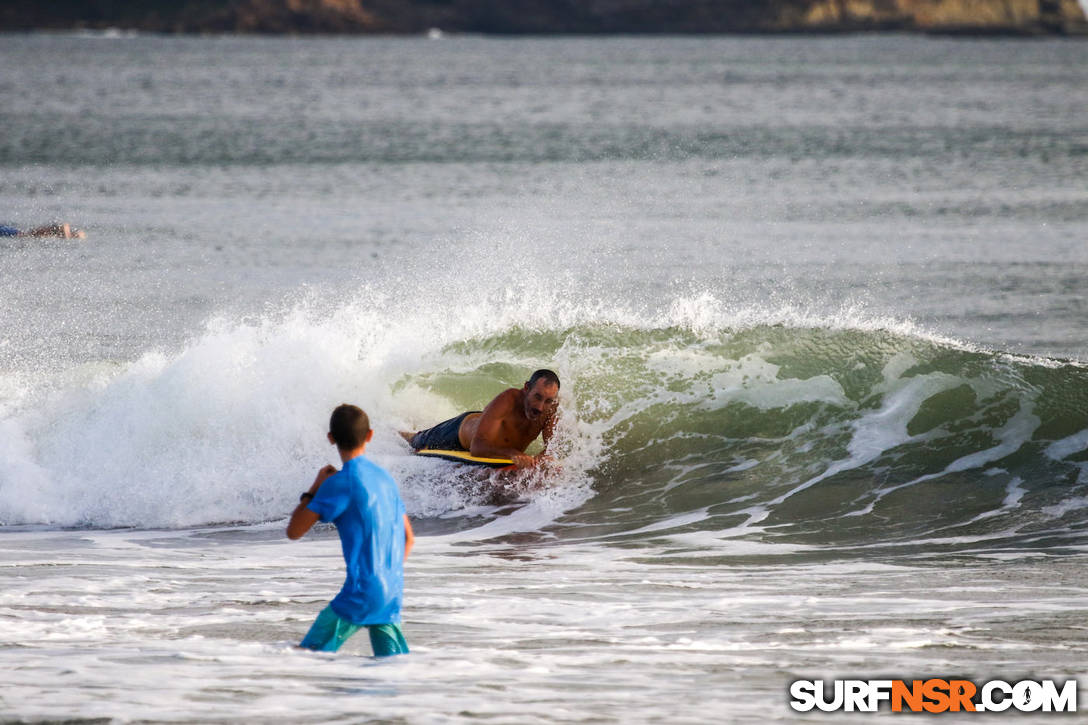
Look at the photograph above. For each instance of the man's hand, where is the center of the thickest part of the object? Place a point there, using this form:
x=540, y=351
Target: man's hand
x=324, y=473
x=540, y=460
x=547, y=463
x=522, y=460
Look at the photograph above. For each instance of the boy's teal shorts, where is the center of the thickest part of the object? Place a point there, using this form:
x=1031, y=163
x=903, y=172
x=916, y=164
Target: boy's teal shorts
x=329, y=632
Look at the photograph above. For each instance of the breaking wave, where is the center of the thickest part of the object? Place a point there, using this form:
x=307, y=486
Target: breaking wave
x=699, y=422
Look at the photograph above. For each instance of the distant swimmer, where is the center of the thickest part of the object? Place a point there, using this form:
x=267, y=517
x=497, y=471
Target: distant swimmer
x=505, y=428
x=58, y=229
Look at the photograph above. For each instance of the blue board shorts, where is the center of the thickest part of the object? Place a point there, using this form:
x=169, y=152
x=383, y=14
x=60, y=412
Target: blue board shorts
x=329, y=631
x=446, y=436
x=6, y=231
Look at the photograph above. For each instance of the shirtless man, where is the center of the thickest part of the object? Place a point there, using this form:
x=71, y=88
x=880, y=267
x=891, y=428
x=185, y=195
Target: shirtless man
x=505, y=428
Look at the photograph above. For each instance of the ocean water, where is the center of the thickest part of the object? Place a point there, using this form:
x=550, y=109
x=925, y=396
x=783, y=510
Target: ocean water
x=818, y=305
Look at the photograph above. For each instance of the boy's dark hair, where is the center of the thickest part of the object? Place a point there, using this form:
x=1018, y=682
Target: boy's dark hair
x=546, y=375
x=349, y=426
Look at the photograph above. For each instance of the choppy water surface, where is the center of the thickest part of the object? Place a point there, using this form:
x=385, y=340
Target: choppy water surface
x=817, y=305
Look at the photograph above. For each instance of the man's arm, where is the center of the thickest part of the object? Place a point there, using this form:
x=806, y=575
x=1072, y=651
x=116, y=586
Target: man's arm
x=547, y=432
x=489, y=430
x=409, y=536
x=302, y=518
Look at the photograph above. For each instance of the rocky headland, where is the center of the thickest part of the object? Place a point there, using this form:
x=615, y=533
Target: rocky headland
x=1006, y=17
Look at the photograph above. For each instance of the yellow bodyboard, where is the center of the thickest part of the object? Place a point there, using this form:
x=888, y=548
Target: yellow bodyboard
x=466, y=457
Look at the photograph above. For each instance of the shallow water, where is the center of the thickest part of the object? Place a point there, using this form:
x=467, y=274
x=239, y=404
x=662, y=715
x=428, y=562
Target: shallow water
x=817, y=304
x=199, y=626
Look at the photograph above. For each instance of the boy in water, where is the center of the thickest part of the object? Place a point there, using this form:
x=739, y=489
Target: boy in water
x=375, y=535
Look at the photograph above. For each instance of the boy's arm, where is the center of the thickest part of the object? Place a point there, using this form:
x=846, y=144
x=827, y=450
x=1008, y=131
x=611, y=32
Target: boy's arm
x=302, y=518
x=409, y=536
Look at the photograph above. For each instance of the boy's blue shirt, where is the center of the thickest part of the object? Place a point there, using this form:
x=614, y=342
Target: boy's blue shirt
x=363, y=501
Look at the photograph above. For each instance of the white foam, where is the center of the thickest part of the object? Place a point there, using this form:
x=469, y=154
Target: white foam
x=885, y=428
x=1070, y=445
x=231, y=427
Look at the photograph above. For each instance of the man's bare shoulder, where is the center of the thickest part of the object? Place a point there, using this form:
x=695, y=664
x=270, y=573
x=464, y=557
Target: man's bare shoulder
x=506, y=399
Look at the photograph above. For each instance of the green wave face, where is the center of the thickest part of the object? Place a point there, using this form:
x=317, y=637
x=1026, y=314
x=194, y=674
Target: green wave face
x=811, y=437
